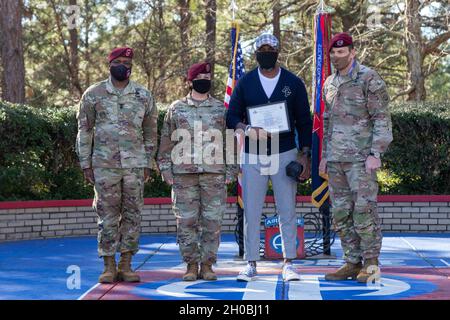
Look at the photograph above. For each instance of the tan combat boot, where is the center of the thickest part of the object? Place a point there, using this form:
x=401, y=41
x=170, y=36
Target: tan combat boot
x=124, y=270
x=109, y=274
x=191, y=272
x=348, y=270
x=371, y=270
x=206, y=272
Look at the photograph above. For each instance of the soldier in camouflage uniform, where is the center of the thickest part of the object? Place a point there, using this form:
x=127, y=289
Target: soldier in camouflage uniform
x=116, y=145
x=198, y=184
x=357, y=130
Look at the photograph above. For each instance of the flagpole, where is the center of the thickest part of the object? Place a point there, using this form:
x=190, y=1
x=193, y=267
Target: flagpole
x=233, y=7
x=323, y=204
x=325, y=207
x=239, y=231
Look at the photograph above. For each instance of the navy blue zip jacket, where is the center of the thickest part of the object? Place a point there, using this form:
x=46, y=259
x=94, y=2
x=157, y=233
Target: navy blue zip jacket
x=290, y=88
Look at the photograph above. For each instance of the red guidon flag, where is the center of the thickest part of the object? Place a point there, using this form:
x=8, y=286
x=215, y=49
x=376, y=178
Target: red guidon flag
x=322, y=69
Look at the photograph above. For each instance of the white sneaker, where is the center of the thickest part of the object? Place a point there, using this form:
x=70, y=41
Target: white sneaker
x=248, y=274
x=289, y=273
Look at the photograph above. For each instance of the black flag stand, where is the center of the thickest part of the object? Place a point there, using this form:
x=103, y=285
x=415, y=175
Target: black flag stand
x=239, y=230
x=326, y=227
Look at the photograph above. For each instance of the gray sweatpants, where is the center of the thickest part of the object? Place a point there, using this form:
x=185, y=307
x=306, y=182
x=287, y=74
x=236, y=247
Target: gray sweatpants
x=255, y=178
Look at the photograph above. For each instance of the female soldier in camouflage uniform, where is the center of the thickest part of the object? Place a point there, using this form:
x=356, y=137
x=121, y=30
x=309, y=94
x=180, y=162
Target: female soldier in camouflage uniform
x=195, y=167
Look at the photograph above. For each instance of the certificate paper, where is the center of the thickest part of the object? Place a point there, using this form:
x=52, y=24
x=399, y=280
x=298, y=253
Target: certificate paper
x=272, y=117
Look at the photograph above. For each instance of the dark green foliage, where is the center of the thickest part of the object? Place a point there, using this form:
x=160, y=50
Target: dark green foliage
x=418, y=161
x=38, y=159
x=37, y=155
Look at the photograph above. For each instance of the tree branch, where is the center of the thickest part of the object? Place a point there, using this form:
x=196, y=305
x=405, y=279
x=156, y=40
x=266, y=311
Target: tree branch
x=402, y=93
x=433, y=44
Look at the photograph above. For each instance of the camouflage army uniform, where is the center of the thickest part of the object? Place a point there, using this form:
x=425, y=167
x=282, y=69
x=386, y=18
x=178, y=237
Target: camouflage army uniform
x=117, y=139
x=356, y=123
x=199, y=190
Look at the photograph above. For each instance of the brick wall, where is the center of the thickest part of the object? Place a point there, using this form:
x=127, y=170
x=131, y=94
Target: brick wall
x=50, y=219
x=415, y=216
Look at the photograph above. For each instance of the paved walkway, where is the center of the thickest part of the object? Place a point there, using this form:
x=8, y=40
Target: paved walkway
x=413, y=267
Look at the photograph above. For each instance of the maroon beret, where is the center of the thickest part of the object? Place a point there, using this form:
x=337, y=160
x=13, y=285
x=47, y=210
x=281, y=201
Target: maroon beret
x=120, y=52
x=342, y=39
x=196, y=69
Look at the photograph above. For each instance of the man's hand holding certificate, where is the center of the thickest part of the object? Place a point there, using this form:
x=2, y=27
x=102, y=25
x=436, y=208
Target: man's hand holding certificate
x=255, y=133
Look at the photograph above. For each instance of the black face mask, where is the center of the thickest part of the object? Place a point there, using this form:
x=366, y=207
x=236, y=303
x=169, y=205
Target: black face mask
x=267, y=60
x=201, y=85
x=120, y=72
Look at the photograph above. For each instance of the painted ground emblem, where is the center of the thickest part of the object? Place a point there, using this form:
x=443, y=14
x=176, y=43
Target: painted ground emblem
x=271, y=287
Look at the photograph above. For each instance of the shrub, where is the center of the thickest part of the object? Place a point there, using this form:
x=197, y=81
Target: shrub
x=418, y=160
x=38, y=159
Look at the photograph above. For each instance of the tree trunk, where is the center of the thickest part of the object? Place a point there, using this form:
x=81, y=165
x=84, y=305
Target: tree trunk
x=13, y=78
x=211, y=10
x=183, y=26
x=161, y=52
x=415, y=57
x=74, y=60
x=71, y=52
x=276, y=11
x=351, y=12
x=87, y=52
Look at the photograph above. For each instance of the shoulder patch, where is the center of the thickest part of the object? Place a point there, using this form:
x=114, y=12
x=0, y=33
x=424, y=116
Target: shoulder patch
x=376, y=84
x=141, y=95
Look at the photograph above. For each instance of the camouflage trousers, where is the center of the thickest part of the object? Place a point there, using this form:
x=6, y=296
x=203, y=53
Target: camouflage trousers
x=198, y=203
x=353, y=195
x=118, y=201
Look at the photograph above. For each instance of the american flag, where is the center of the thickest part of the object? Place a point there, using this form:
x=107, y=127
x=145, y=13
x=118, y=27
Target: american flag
x=237, y=68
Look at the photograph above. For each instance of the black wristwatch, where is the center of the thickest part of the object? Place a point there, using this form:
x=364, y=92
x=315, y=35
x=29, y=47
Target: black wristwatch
x=307, y=152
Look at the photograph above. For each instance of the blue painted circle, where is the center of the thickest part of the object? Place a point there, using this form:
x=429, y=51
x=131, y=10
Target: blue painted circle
x=230, y=289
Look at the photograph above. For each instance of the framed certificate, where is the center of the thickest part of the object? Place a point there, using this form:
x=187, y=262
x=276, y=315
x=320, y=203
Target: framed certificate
x=272, y=117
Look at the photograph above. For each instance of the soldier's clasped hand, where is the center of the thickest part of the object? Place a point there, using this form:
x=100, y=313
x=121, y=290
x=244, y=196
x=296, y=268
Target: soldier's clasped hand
x=89, y=175
x=372, y=164
x=323, y=166
x=147, y=175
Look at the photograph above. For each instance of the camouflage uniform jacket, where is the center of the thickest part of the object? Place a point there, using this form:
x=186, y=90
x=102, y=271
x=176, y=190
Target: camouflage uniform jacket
x=204, y=119
x=116, y=128
x=356, y=116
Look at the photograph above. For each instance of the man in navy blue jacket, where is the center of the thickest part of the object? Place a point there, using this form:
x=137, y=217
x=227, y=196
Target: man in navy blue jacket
x=269, y=83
